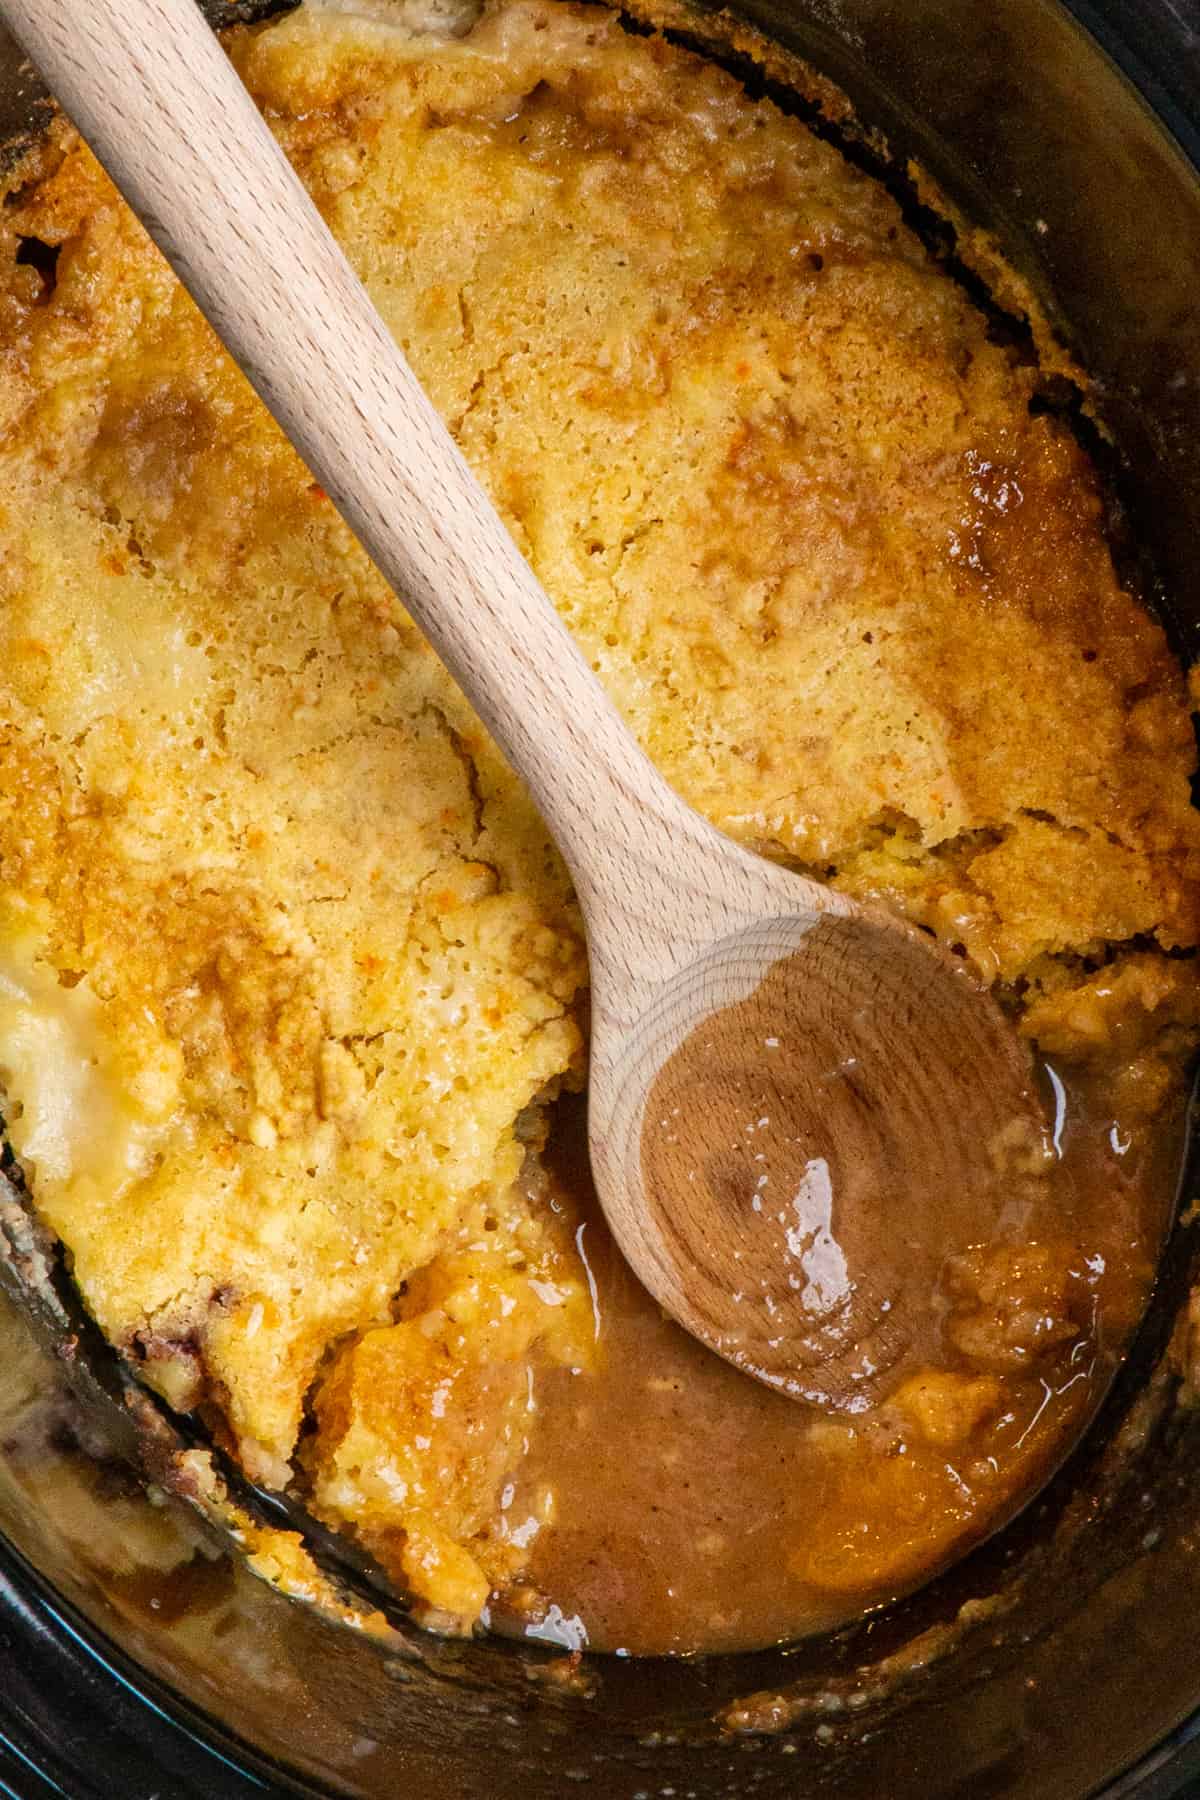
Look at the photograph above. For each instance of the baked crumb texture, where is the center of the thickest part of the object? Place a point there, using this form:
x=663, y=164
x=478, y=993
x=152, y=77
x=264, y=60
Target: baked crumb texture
x=288, y=962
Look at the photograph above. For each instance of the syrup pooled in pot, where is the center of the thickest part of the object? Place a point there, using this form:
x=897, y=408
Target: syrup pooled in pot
x=688, y=1508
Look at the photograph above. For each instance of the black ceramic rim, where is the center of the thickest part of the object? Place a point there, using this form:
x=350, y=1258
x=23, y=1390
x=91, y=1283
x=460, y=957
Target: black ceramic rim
x=82, y=1721
x=1158, y=51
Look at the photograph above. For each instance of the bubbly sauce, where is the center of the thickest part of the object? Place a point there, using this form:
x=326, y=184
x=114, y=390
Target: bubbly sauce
x=690, y=1508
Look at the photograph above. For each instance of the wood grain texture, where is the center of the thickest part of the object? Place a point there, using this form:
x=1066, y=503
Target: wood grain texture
x=680, y=920
x=831, y=1156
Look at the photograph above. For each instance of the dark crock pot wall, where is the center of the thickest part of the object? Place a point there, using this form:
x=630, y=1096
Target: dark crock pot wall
x=1023, y=120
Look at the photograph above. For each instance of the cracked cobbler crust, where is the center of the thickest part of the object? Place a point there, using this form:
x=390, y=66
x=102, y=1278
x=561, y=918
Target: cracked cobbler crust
x=287, y=956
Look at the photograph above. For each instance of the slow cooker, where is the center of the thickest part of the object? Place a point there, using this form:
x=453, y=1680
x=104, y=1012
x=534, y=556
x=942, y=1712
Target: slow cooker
x=138, y=1656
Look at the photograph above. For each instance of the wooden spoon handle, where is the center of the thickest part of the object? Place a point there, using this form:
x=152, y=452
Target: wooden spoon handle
x=152, y=92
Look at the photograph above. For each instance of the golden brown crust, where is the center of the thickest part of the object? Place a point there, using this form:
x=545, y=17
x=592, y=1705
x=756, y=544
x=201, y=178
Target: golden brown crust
x=261, y=868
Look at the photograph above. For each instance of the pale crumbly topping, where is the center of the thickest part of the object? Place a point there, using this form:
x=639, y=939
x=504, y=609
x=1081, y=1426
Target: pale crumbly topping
x=285, y=953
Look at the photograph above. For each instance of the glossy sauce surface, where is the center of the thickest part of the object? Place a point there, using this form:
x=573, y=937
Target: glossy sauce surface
x=688, y=1507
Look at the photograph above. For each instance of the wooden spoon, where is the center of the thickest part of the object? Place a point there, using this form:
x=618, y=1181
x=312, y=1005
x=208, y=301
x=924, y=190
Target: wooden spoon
x=799, y=1108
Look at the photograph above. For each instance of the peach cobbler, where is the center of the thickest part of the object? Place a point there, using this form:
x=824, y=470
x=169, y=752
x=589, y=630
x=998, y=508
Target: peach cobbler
x=292, y=981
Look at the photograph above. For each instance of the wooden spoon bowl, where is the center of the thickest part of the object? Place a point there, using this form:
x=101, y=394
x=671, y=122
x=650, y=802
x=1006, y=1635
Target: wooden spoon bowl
x=809, y=1123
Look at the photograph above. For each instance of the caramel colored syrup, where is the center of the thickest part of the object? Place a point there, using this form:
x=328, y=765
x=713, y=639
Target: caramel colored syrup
x=688, y=1508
